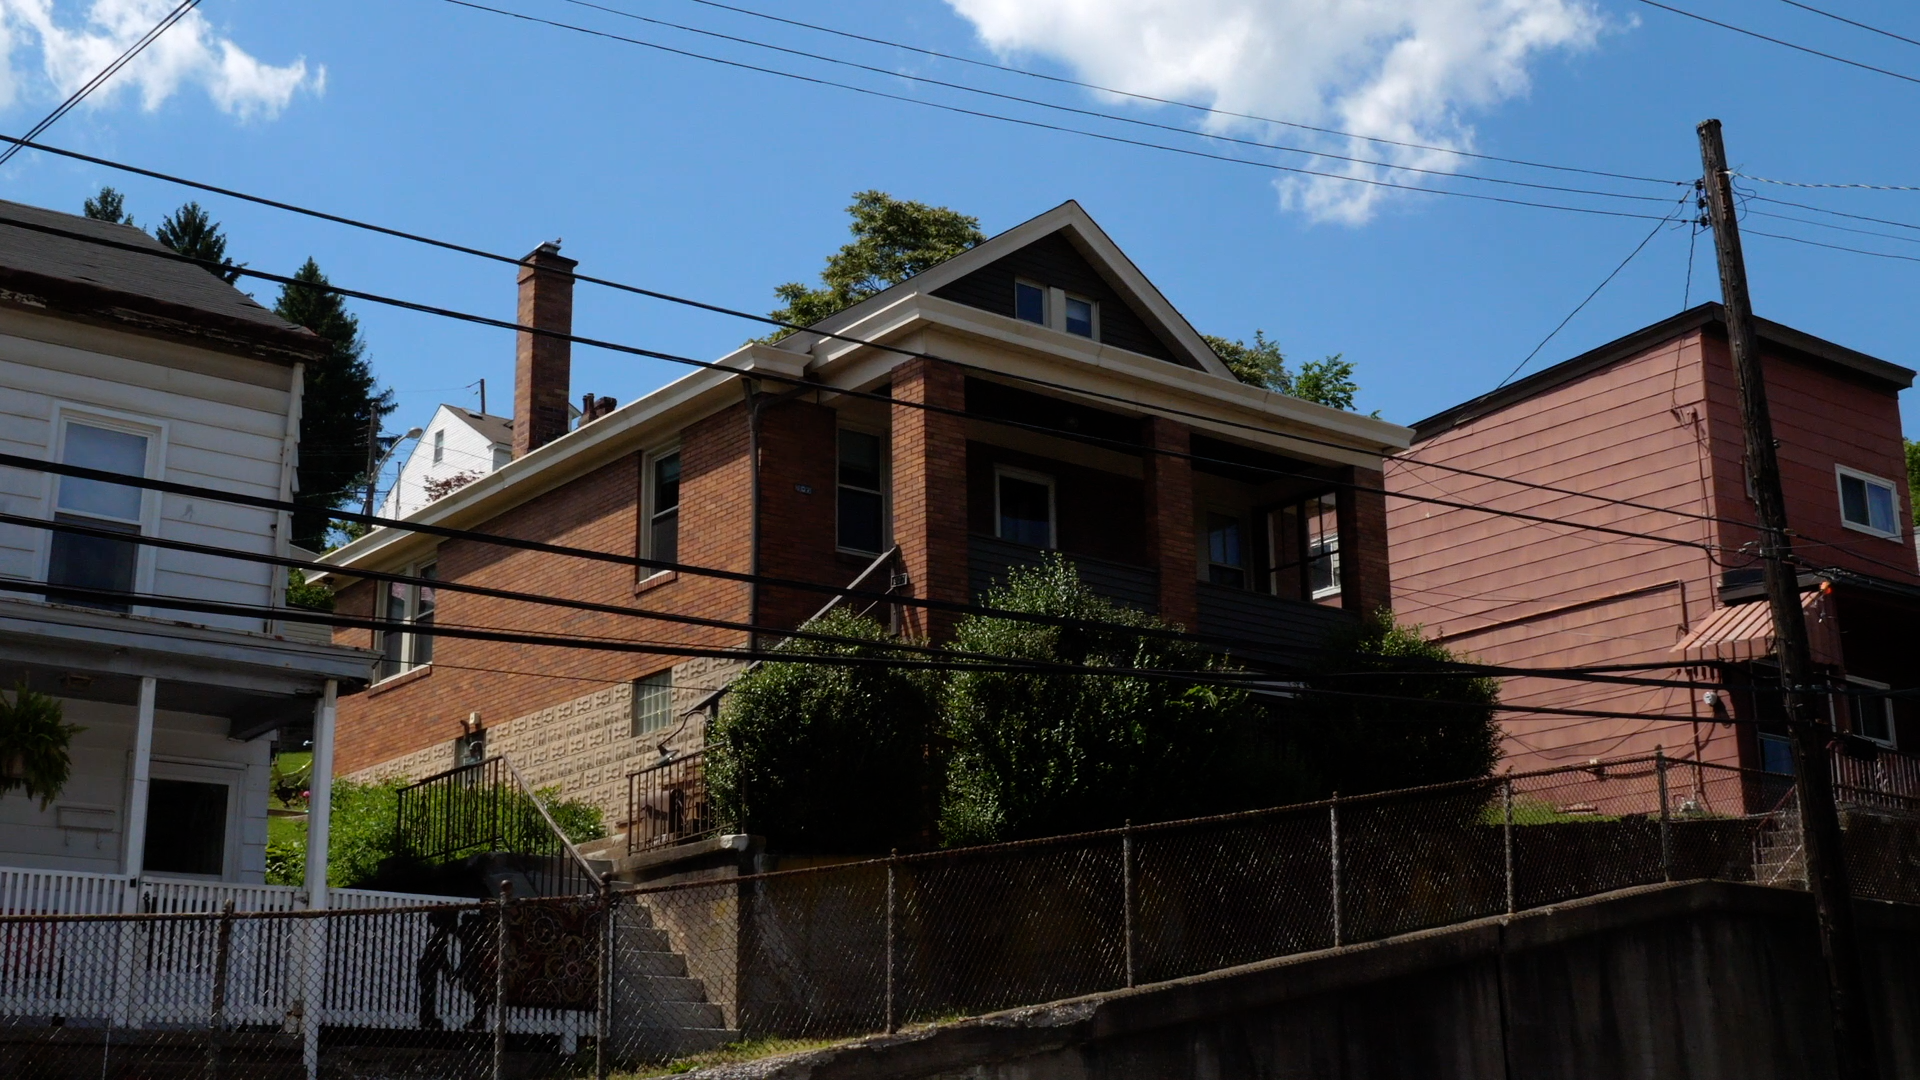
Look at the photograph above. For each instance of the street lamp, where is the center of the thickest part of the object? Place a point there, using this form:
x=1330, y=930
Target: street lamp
x=375, y=464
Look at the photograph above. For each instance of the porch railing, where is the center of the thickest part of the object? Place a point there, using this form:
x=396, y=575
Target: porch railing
x=668, y=804
x=1889, y=779
x=487, y=809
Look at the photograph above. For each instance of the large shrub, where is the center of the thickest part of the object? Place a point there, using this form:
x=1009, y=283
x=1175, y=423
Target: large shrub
x=1039, y=754
x=825, y=757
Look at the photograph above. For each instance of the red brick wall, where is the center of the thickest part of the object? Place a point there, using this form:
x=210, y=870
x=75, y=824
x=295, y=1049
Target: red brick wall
x=930, y=489
x=798, y=527
x=1365, y=582
x=1170, y=538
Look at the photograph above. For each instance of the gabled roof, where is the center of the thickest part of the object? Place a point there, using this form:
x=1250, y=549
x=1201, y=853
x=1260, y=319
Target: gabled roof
x=495, y=429
x=1102, y=255
x=72, y=275
x=1782, y=339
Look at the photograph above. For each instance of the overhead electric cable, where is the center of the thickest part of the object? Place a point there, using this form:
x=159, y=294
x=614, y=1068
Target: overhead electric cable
x=1095, y=113
x=1207, y=109
x=1831, y=247
x=1779, y=41
x=1850, y=187
x=166, y=22
x=1038, y=124
x=1835, y=213
x=1850, y=22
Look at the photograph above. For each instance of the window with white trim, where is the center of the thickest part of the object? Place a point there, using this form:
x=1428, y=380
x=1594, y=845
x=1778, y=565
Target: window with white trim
x=861, y=500
x=1868, y=503
x=1023, y=507
x=1081, y=315
x=99, y=562
x=408, y=611
x=1030, y=302
x=663, y=507
x=1872, y=709
x=653, y=703
x=1323, y=548
x=439, y=446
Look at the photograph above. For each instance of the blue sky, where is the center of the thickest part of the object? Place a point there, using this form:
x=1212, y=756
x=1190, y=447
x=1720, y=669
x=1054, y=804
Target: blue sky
x=719, y=183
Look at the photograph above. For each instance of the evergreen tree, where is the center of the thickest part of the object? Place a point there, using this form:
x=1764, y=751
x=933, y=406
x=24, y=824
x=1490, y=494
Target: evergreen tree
x=893, y=239
x=191, y=232
x=340, y=404
x=110, y=206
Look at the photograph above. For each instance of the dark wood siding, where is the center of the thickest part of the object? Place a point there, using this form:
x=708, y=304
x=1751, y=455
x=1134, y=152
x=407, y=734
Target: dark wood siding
x=1268, y=627
x=989, y=559
x=1097, y=514
x=1053, y=261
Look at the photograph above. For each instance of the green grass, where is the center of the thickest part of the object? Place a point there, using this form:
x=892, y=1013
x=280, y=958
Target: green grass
x=730, y=1054
x=289, y=764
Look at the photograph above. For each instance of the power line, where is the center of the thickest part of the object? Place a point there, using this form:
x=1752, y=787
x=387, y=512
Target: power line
x=1835, y=213
x=1127, y=447
x=1795, y=183
x=1831, y=247
x=1209, y=110
x=751, y=316
x=1041, y=125
x=1095, y=113
x=1581, y=306
x=1778, y=41
x=166, y=22
x=1850, y=22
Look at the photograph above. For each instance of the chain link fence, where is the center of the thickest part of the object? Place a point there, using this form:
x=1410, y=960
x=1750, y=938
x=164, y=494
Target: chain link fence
x=629, y=979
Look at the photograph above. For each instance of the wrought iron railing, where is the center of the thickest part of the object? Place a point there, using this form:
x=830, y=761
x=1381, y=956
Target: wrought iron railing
x=669, y=804
x=487, y=809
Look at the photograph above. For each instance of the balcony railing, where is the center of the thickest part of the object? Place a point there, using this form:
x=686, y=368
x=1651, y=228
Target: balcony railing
x=1890, y=780
x=1270, y=627
x=668, y=804
x=989, y=558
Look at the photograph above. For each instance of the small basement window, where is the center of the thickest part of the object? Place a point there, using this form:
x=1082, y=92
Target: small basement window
x=1868, y=503
x=653, y=703
x=1030, y=302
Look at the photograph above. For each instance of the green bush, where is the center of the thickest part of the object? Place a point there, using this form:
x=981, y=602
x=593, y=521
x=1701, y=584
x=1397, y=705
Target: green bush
x=1041, y=754
x=827, y=757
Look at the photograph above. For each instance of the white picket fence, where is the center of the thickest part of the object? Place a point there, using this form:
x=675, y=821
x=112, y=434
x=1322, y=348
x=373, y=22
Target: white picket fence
x=161, y=972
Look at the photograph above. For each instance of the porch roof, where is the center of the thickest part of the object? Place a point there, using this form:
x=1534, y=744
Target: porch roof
x=1744, y=632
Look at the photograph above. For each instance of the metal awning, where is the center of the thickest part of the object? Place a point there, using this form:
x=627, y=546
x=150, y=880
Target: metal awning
x=1744, y=632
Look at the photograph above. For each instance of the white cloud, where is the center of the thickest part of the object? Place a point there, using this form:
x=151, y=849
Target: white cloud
x=191, y=53
x=1410, y=70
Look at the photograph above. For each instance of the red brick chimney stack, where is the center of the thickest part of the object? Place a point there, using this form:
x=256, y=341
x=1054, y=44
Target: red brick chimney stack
x=543, y=365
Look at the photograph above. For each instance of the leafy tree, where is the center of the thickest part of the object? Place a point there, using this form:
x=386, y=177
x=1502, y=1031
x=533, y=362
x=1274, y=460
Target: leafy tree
x=34, y=741
x=1042, y=754
x=827, y=758
x=109, y=206
x=1327, y=382
x=893, y=239
x=339, y=405
x=302, y=594
x=1390, y=718
x=191, y=232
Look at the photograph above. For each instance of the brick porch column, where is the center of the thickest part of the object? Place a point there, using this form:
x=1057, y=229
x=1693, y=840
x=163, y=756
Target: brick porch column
x=1170, y=539
x=1364, y=583
x=929, y=453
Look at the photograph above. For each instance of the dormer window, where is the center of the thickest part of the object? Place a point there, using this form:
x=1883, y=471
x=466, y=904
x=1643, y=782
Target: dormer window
x=1030, y=302
x=1079, y=316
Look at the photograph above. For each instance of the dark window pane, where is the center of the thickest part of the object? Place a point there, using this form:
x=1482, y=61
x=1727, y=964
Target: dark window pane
x=1079, y=317
x=1230, y=576
x=1029, y=303
x=186, y=827
x=860, y=459
x=1223, y=540
x=666, y=536
x=1853, y=500
x=92, y=562
x=666, y=483
x=1874, y=722
x=1776, y=755
x=860, y=520
x=1026, y=512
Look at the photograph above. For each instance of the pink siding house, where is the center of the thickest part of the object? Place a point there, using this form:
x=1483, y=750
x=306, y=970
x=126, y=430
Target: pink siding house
x=1653, y=419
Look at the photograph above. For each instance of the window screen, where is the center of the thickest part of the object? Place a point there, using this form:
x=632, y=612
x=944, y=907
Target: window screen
x=186, y=827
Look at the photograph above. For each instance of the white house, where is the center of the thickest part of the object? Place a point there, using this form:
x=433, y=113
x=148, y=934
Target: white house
x=116, y=360
x=457, y=447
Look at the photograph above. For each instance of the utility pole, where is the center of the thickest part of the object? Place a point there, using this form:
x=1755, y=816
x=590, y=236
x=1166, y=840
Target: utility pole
x=373, y=460
x=1826, y=866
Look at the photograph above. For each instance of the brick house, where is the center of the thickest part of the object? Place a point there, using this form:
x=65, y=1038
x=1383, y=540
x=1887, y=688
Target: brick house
x=732, y=469
x=1654, y=418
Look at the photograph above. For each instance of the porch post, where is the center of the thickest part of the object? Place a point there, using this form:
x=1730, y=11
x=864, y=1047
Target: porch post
x=133, y=862
x=320, y=797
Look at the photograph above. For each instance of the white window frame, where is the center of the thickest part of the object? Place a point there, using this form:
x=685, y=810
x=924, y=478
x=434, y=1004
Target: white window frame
x=885, y=492
x=233, y=778
x=1062, y=297
x=1841, y=472
x=1053, y=500
x=649, y=491
x=408, y=660
x=1891, y=742
x=439, y=446
x=1319, y=542
x=1047, y=304
x=155, y=431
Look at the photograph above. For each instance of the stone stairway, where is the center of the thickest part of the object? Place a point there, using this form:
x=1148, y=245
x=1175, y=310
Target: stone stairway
x=1779, y=849
x=659, y=1010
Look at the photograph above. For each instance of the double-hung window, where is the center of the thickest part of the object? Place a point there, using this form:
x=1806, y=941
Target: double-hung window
x=1868, y=503
x=861, y=505
x=1056, y=308
x=1226, y=551
x=407, y=641
x=663, y=508
x=1023, y=508
x=1872, y=710
x=1323, y=548
x=94, y=561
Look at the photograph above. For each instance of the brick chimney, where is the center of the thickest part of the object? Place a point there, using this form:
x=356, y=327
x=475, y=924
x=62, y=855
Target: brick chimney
x=543, y=366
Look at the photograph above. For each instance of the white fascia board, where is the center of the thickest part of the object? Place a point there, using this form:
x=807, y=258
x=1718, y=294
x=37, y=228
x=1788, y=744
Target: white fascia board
x=629, y=428
x=992, y=342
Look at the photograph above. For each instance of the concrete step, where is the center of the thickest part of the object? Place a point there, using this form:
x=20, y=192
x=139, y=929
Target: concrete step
x=668, y=1014
x=637, y=963
x=666, y=1043
x=643, y=939
x=663, y=988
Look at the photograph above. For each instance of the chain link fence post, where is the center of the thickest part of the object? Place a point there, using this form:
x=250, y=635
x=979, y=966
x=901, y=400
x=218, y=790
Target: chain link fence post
x=893, y=859
x=217, y=1008
x=1333, y=835
x=602, y=1015
x=1506, y=833
x=500, y=983
x=1666, y=816
x=1126, y=895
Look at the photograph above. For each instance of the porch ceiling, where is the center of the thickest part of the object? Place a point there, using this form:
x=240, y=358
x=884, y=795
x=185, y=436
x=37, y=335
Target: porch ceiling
x=249, y=713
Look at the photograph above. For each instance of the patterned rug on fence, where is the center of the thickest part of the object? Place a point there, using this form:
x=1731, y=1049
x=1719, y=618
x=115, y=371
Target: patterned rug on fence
x=553, y=954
